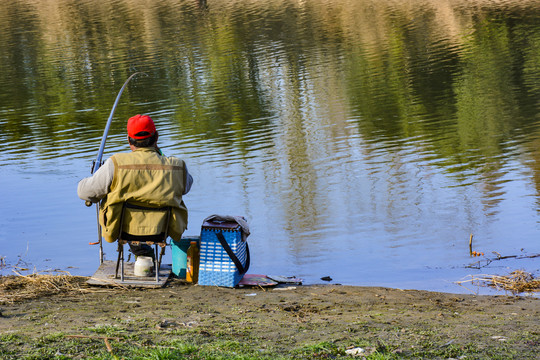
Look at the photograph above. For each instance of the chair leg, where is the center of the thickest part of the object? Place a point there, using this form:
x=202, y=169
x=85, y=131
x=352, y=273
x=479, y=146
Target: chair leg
x=120, y=262
x=156, y=262
x=161, y=253
x=117, y=262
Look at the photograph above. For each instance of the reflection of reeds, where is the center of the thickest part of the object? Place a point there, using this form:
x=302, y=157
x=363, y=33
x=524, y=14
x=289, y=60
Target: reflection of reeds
x=24, y=287
x=516, y=282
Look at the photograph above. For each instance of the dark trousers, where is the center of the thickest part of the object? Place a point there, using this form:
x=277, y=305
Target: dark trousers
x=142, y=250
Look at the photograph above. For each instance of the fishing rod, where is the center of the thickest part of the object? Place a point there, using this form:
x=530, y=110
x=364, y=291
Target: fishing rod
x=97, y=163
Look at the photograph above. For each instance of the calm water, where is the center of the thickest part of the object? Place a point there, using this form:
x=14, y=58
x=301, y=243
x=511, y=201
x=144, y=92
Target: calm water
x=363, y=139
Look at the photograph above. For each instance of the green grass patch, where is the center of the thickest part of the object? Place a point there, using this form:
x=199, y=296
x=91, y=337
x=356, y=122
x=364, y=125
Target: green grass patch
x=60, y=346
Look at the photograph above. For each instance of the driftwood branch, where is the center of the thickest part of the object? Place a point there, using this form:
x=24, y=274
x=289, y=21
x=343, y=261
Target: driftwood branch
x=487, y=261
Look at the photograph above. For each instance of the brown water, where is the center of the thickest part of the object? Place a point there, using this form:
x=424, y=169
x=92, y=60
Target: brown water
x=365, y=140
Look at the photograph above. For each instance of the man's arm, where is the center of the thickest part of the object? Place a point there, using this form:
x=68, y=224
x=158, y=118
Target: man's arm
x=95, y=187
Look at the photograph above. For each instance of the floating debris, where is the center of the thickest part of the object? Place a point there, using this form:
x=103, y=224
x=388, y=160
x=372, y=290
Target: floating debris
x=516, y=282
x=475, y=253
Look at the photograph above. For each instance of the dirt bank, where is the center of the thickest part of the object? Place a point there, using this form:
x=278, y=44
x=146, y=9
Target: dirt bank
x=302, y=322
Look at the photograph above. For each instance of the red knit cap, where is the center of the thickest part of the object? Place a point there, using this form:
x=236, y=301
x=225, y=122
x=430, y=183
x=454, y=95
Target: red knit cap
x=140, y=123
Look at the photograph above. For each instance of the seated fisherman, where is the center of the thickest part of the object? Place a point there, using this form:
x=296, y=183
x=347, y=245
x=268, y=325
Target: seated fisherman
x=143, y=177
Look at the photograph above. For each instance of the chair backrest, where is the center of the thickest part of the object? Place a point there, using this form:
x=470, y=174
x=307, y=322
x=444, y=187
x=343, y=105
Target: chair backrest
x=151, y=224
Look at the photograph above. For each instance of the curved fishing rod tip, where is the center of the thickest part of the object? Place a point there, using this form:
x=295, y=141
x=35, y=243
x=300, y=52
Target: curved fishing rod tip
x=139, y=72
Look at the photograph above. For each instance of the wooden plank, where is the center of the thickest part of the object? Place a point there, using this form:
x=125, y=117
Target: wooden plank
x=104, y=276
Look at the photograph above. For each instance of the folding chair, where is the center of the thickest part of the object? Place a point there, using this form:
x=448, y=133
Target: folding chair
x=158, y=240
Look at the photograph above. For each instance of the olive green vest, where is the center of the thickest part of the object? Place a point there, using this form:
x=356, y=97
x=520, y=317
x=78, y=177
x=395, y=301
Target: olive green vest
x=144, y=178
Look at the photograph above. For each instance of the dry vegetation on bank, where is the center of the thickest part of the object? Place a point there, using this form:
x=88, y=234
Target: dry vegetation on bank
x=25, y=287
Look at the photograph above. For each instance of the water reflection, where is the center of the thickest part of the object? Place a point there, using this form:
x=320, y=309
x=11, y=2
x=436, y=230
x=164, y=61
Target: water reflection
x=391, y=128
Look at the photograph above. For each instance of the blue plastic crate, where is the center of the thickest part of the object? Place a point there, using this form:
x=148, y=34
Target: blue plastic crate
x=215, y=266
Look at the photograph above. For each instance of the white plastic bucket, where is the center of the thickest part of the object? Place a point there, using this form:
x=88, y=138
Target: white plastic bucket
x=143, y=266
